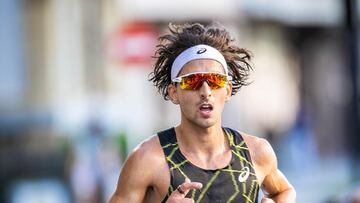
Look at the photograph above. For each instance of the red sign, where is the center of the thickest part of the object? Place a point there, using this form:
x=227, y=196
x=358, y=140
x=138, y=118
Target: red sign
x=133, y=44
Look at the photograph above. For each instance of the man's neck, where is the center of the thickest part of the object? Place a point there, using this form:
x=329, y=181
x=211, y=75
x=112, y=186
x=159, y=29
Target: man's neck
x=196, y=139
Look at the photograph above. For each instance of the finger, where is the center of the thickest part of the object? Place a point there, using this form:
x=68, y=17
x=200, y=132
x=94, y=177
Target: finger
x=188, y=185
x=184, y=188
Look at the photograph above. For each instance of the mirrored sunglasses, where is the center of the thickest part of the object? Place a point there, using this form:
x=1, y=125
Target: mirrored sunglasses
x=194, y=81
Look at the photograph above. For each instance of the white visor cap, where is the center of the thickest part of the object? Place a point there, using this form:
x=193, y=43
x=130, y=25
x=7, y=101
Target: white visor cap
x=200, y=51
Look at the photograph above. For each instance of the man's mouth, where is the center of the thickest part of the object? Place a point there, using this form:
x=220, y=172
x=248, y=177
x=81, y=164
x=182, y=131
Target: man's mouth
x=206, y=107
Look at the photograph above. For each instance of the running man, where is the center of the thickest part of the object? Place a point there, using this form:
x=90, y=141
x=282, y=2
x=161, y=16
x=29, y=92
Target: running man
x=199, y=68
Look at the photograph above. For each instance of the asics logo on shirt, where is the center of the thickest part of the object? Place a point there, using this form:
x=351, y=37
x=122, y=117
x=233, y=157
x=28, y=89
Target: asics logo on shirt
x=244, y=174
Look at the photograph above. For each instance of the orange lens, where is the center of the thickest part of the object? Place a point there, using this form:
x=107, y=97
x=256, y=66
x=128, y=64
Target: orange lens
x=195, y=81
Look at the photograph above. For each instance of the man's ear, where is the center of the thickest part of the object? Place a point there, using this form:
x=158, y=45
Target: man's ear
x=173, y=94
x=228, y=91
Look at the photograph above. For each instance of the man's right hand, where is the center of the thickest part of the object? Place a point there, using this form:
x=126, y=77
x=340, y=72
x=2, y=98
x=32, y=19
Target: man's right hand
x=178, y=196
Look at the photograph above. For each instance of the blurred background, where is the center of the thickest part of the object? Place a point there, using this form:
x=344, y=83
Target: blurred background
x=75, y=97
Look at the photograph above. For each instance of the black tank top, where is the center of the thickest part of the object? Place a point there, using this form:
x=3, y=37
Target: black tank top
x=235, y=183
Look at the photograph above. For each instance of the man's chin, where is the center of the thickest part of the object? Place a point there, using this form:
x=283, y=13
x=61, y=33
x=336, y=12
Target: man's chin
x=206, y=123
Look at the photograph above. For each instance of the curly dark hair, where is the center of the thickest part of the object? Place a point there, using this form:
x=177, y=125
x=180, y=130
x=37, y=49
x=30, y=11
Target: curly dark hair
x=187, y=35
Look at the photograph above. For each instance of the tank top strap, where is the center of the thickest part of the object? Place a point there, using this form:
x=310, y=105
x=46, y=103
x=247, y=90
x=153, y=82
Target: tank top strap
x=167, y=137
x=237, y=142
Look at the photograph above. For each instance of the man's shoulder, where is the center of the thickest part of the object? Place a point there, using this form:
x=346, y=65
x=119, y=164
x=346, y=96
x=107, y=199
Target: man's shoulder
x=148, y=154
x=260, y=149
x=147, y=149
x=254, y=141
x=251, y=140
x=144, y=167
x=245, y=135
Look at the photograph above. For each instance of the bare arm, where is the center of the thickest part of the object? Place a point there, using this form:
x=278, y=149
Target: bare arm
x=278, y=189
x=135, y=177
x=146, y=169
x=275, y=185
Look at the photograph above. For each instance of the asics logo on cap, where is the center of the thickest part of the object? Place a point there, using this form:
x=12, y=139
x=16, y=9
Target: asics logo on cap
x=202, y=50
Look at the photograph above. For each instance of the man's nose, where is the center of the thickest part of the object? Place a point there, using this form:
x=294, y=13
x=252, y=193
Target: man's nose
x=205, y=90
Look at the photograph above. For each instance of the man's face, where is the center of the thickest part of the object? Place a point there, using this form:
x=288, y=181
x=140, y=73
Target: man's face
x=202, y=107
